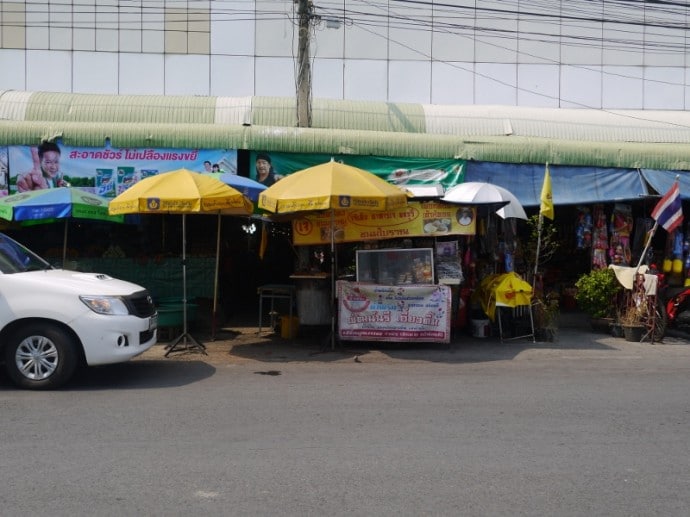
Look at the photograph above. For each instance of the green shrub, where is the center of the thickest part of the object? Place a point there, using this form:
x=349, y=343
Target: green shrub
x=597, y=293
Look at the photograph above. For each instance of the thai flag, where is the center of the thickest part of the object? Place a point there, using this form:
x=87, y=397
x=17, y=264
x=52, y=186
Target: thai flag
x=668, y=212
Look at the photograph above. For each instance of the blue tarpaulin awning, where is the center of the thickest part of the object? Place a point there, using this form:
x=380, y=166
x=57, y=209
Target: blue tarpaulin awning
x=661, y=181
x=569, y=185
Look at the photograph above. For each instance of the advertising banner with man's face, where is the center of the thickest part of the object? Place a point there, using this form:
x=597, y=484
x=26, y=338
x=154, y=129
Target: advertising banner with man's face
x=105, y=171
x=269, y=168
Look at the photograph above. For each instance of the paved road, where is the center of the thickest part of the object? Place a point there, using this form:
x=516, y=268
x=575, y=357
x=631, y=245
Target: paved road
x=588, y=425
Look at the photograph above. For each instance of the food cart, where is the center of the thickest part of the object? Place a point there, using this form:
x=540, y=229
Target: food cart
x=407, y=269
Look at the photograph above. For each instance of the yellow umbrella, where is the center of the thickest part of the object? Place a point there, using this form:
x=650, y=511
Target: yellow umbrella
x=506, y=290
x=512, y=291
x=331, y=186
x=182, y=192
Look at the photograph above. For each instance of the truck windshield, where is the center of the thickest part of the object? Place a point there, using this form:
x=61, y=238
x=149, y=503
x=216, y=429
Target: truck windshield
x=15, y=258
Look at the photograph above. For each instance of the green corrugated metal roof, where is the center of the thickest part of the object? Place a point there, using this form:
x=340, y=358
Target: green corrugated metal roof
x=305, y=140
x=622, y=138
x=121, y=108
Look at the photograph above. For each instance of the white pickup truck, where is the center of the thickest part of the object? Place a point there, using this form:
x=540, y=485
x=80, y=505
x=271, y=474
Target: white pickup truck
x=53, y=320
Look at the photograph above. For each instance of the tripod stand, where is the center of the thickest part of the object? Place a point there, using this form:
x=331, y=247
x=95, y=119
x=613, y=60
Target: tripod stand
x=185, y=341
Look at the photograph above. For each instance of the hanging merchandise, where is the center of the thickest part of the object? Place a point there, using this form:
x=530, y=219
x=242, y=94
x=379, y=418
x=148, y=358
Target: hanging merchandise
x=508, y=260
x=469, y=260
x=621, y=229
x=510, y=232
x=491, y=238
x=668, y=253
x=673, y=265
x=686, y=251
x=583, y=230
x=599, y=238
x=677, y=265
x=481, y=234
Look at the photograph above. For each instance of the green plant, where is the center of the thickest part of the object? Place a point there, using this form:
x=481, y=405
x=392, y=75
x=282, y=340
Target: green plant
x=546, y=312
x=631, y=316
x=597, y=292
x=549, y=244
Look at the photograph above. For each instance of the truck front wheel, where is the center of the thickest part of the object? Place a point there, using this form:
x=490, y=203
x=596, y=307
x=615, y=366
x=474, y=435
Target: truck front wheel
x=40, y=356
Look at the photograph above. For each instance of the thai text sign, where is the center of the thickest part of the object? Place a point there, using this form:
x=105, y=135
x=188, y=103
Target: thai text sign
x=106, y=171
x=417, y=219
x=372, y=312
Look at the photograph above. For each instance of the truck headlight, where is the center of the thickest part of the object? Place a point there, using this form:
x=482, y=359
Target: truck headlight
x=112, y=305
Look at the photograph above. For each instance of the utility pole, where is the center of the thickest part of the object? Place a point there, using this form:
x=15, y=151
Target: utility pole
x=304, y=12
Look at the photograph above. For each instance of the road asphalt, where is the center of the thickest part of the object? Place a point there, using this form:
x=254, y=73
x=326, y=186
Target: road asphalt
x=238, y=341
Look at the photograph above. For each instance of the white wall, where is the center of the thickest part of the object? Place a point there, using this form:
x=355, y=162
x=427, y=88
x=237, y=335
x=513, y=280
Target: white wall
x=455, y=52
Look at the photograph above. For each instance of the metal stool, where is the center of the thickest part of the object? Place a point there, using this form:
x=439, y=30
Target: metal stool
x=274, y=292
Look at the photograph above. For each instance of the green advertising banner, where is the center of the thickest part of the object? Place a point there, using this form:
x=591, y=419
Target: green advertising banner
x=267, y=168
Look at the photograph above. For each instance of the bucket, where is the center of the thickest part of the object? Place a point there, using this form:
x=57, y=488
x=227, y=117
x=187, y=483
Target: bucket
x=288, y=327
x=480, y=328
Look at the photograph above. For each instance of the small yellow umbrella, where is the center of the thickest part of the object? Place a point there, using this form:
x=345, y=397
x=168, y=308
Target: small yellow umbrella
x=506, y=290
x=331, y=186
x=182, y=192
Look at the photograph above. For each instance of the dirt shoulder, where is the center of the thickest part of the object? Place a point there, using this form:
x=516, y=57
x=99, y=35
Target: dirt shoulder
x=243, y=344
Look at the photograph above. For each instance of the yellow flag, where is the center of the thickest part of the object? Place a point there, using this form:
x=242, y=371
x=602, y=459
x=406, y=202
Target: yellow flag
x=546, y=197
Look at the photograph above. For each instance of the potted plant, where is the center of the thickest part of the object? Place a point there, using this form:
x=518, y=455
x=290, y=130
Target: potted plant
x=596, y=295
x=631, y=320
x=546, y=312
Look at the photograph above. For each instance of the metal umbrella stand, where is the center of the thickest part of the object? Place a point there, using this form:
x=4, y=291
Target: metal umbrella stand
x=185, y=340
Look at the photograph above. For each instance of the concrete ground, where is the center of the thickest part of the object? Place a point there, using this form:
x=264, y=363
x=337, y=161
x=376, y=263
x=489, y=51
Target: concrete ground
x=237, y=341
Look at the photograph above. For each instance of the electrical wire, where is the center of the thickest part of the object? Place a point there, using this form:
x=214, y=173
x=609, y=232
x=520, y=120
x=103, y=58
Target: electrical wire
x=631, y=26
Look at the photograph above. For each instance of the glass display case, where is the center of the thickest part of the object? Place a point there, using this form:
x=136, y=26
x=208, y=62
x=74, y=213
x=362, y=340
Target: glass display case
x=396, y=266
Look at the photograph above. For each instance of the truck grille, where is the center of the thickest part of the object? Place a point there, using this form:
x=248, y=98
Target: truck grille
x=140, y=304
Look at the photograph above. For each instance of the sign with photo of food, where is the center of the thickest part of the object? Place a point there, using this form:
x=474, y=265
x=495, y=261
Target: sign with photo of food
x=417, y=219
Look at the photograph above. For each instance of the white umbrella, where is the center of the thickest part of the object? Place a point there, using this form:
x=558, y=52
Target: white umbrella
x=480, y=193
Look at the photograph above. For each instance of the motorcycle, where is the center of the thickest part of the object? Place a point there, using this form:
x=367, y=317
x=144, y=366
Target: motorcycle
x=677, y=311
x=673, y=307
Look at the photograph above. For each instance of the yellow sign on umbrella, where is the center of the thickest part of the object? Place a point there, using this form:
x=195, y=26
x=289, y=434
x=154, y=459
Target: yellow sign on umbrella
x=182, y=192
x=331, y=186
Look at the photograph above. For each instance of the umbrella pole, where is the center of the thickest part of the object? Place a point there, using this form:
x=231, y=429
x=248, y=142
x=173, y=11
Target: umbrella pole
x=64, y=243
x=215, y=284
x=185, y=336
x=539, y=230
x=333, y=307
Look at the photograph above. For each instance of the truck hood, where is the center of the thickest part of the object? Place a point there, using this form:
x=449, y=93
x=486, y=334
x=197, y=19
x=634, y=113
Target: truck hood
x=78, y=282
